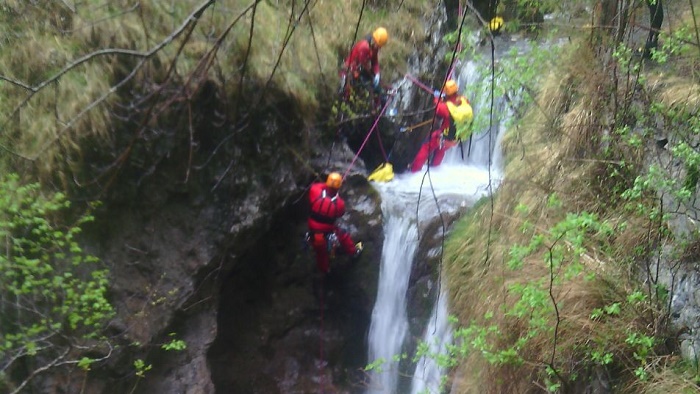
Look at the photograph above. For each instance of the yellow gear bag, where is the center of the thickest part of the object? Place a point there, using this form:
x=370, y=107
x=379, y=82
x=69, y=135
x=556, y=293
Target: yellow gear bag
x=462, y=116
x=383, y=173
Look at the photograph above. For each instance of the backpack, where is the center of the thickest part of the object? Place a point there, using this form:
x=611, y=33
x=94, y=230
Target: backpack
x=461, y=119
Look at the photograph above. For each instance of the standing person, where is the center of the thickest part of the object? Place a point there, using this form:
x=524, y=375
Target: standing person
x=326, y=207
x=453, y=117
x=656, y=19
x=361, y=67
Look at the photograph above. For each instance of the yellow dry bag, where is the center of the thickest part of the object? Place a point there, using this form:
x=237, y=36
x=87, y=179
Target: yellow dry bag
x=462, y=117
x=383, y=173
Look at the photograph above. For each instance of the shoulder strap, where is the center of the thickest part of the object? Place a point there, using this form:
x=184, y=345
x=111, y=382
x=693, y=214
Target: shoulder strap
x=322, y=212
x=323, y=195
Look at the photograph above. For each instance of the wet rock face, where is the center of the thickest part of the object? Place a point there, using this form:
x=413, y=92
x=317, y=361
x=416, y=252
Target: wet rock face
x=285, y=329
x=674, y=266
x=202, y=231
x=220, y=264
x=208, y=249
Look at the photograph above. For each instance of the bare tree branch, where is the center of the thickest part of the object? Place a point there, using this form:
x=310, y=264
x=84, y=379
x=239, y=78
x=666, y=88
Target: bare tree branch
x=40, y=370
x=247, y=55
x=193, y=17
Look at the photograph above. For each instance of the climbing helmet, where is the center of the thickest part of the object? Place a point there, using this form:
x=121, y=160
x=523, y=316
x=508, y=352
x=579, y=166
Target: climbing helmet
x=334, y=180
x=450, y=87
x=380, y=36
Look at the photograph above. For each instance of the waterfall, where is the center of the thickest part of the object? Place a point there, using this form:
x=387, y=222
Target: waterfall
x=455, y=186
x=389, y=324
x=428, y=373
x=464, y=176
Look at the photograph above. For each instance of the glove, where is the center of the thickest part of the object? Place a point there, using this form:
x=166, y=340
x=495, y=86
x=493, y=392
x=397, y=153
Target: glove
x=436, y=94
x=375, y=82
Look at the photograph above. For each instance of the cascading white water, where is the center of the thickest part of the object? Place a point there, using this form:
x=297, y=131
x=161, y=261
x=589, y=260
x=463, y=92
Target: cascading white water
x=455, y=186
x=438, y=335
x=465, y=175
x=389, y=323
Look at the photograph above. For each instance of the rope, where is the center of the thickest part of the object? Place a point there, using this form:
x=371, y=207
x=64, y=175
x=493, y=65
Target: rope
x=322, y=380
x=427, y=171
x=376, y=121
x=419, y=83
x=415, y=126
x=381, y=144
x=381, y=147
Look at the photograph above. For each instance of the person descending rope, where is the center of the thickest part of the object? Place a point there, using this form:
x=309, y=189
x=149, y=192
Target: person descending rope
x=324, y=235
x=361, y=68
x=454, y=117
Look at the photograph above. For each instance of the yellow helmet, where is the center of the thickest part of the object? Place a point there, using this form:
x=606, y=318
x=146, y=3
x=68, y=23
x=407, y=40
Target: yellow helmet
x=334, y=180
x=496, y=24
x=450, y=87
x=380, y=36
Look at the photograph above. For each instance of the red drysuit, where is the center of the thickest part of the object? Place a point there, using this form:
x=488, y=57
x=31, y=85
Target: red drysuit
x=436, y=144
x=326, y=207
x=363, y=60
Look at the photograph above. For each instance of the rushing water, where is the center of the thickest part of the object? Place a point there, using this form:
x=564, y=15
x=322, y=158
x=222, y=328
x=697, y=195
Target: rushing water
x=455, y=185
x=408, y=202
x=438, y=335
x=389, y=323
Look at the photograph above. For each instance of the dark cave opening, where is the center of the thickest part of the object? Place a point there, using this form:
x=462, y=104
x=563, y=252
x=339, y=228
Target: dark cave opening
x=273, y=336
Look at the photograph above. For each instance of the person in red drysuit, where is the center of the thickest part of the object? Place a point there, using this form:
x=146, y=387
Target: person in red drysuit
x=443, y=137
x=326, y=207
x=362, y=65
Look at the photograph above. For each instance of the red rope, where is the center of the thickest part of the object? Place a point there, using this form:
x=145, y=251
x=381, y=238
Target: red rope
x=376, y=121
x=381, y=146
x=419, y=83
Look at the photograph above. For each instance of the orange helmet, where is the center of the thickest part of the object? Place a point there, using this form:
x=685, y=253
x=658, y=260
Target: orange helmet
x=450, y=87
x=380, y=36
x=334, y=180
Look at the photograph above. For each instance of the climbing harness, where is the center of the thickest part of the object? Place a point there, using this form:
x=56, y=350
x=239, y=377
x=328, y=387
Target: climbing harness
x=330, y=240
x=332, y=244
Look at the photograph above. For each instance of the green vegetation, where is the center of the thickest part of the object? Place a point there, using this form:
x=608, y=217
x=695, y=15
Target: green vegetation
x=52, y=293
x=558, y=283
x=545, y=281
x=82, y=85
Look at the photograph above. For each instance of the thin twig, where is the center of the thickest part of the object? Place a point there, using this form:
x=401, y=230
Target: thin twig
x=40, y=370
